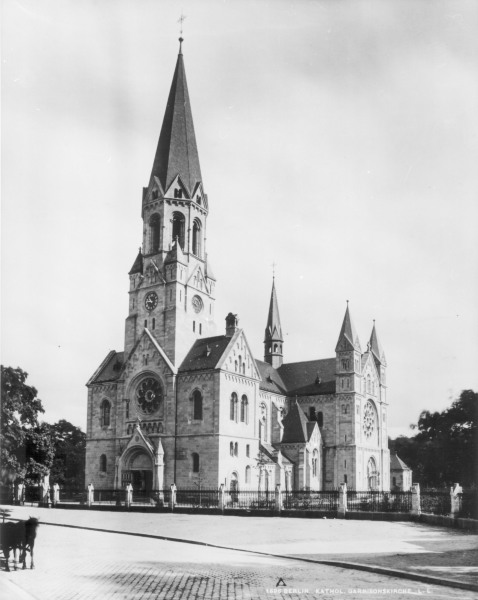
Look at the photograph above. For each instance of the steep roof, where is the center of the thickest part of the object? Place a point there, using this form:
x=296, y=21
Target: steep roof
x=110, y=369
x=296, y=428
x=376, y=346
x=271, y=381
x=348, y=333
x=312, y=377
x=176, y=254
x=177, y=152
x=138, y=264
x=273, y=327
x=205, y=353
x=397, y=464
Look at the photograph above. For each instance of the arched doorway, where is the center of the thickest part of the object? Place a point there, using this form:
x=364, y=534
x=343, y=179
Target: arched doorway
x=372, y=474
x=138, y=470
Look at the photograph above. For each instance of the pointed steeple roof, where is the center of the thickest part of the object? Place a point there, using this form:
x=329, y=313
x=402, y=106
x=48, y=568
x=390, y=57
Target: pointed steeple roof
x=348, y=338
x=176, y=254
x=138, y=264
x=273, y=328
x=177, y=152
x=376, y=347
x=296, y=426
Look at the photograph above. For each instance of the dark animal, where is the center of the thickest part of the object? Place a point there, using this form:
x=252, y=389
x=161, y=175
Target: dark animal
x=18, y=536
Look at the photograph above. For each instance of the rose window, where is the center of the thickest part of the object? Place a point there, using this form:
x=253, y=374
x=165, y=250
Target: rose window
x=149, y=395
x=369, y=425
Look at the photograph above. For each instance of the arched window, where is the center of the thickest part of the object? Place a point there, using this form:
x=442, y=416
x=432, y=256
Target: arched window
x=320, y=418
x=248, y=475
x=372, y=474
x=178, y=228
x=105, y=413
x=244, y=409
x=197, y=238
x=368, y=383
x=197, y=405
x=154, y=233
x=103, y=463
x=236, y=449
x=195, y=458
x=315, y=462
x=233, y=407
x=231, y=448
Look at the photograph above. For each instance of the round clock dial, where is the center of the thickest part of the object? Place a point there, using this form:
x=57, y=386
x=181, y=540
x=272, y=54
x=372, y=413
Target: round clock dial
x=151, y=300
x=197, y=304
x=369, y=419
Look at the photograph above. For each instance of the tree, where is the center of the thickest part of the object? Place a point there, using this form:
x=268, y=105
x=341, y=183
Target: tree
x=445, y=449
x=68, y=466
x=26, y=450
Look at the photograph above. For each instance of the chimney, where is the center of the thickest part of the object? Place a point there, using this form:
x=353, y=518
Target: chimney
x=231, y=324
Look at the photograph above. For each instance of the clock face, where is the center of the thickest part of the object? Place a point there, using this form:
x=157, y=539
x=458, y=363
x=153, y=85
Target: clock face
x=151, y=300
x=197, y=304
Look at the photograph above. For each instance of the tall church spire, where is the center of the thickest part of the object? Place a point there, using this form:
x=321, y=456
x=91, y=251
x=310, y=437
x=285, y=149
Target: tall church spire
x=177, y=152
x=273, y=336
x=376, y=347
x=348, y=338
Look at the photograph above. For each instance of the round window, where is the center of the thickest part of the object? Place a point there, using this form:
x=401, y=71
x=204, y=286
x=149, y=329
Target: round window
x=149, y=395
x=369, y=420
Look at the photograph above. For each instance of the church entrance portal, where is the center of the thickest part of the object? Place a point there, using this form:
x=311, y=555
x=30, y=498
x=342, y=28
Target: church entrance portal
x=138, y=471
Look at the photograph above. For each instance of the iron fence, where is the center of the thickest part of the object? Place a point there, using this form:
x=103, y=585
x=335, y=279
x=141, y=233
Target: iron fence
x=311, y=500
x=197, y=498
x=72, y=494
x=372, y=501
x=32, y=493
x=249, y=500
x=435, y=502
x=108, y=496
x=157, y=498
x=469, y=505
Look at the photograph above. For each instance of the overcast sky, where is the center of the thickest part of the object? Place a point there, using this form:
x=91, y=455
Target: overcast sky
x=336, y=139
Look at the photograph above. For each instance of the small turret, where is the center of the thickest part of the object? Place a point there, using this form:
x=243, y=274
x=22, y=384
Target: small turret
x=378, y=354
x=348, y=353
x=273, y=339
x=231, y=324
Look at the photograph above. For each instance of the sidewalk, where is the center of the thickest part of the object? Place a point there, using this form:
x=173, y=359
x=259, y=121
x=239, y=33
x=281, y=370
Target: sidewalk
x=410, y=547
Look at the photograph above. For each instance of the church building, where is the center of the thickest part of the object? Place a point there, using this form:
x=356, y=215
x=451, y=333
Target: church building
x=186, y=402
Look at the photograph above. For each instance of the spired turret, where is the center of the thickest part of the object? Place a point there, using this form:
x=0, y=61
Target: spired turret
x=273, y=339
x=348, y=353
x=378, y=355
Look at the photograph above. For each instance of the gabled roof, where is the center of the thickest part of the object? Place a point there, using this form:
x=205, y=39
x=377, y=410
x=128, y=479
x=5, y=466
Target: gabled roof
x=312, y=377
x=348, y=337
x=273, y=327
x=138, y=264
x=176, y=254
x=397, y=464
x=205, y=353
x=296, y=428
x=110, y=369
x=177, y=153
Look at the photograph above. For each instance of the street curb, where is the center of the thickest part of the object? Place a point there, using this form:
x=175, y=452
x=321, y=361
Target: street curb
x=333, y=563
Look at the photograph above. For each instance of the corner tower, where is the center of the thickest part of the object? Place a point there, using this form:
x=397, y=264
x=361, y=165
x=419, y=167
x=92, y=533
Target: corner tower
x=273, y=339
x=171, y=284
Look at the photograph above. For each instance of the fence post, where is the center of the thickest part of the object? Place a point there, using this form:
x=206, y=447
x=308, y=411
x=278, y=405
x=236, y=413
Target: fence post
x=56, y=494
x=90, y=496
x=20, y=488
x=342, y=510
x=221, y=498
x=416, y=510
x=172, y=499
x=129, y=495
x=455, y=500
x=278, y=499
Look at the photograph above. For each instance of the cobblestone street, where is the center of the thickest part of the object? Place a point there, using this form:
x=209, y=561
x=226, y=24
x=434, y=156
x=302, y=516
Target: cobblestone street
x=90, y=564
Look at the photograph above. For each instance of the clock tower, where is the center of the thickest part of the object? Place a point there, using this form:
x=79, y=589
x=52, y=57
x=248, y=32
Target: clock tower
x=171, y=283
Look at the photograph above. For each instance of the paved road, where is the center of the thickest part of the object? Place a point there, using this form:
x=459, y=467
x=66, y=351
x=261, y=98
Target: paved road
x=78, y=564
